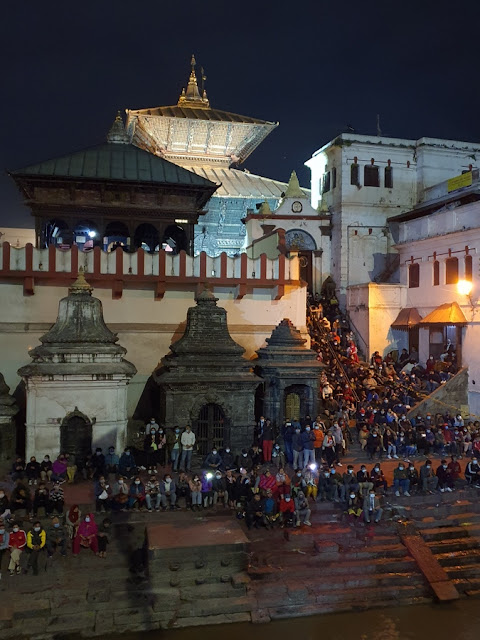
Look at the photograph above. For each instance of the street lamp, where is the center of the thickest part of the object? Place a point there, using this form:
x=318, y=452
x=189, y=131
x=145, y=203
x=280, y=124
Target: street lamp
x=464, y=287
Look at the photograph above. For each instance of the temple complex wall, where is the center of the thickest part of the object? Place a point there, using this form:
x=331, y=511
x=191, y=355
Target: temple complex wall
x=146, y=326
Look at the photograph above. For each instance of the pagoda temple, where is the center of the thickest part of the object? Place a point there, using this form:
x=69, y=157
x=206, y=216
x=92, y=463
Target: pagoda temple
x=114, y=194
x=213, y=144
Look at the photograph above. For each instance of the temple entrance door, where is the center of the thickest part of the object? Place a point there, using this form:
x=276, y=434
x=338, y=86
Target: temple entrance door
x=305, y=262
x=413, y=340
x=292, y=406
x=76, y=435
x=210, y=428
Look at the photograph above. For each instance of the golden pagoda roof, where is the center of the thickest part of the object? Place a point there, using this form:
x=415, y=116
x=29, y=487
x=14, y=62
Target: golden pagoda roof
x=192, y=132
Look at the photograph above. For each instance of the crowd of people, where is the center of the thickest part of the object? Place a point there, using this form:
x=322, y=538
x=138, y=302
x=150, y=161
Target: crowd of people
x=277, y=480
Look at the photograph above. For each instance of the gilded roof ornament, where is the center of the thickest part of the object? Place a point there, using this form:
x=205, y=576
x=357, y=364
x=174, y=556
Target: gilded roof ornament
x=293, y=188
x=117, y=133
x=80, y=285
x=191, y=97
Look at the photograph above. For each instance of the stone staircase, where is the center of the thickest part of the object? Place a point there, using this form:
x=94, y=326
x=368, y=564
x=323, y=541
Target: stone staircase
x=332, y=567
x=450, y=525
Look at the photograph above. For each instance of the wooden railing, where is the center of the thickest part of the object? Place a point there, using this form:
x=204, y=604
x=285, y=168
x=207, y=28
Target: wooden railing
x=160, y=271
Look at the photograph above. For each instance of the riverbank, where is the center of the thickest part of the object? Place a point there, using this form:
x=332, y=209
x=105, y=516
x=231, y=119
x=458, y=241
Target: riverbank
x=332, y=566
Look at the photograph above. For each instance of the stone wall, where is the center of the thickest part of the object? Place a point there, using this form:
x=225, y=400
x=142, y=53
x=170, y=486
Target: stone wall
x=451, y=396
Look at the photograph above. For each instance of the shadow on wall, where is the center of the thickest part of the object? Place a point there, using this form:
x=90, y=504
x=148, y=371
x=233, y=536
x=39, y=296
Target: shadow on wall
x=386, y=268
x=149, y=404
x=20, y=396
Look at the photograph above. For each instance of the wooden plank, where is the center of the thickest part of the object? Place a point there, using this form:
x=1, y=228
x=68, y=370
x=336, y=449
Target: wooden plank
x=436, y=576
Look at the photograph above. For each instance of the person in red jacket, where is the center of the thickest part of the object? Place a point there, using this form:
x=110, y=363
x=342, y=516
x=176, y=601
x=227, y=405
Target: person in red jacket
x=286, y=509
x=455, y=468
x=16, y=544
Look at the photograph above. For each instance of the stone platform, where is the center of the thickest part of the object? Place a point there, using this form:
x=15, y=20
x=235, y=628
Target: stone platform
x=211, y=532
x=209, y=550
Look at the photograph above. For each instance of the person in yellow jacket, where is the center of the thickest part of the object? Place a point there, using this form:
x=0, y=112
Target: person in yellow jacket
x=36, y=539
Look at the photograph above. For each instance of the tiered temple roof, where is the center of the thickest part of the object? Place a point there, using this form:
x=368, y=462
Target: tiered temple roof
x=193, y=133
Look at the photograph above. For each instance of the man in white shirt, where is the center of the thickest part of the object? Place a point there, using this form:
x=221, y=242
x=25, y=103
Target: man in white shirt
x=188, y=442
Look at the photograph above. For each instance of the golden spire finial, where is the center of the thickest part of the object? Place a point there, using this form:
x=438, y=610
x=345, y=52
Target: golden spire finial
x=191, y=97
x=80, y=285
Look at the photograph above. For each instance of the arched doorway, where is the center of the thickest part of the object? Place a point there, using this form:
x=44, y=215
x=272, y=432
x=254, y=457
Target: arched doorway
x=297, y=401
x=116, y=234
x=292, y=406
x=76, y=434
x=301, y=241
x=146, y=236
x=175, y=238
x=86, y=235
x=55, y=232
x=210, y=428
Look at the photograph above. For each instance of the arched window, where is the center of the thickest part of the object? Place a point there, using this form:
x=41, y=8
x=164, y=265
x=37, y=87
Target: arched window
x=388, y=178
x=451, y=271
x=413, y=275
x=468, y=268
x=436, y=273
x=371, y=177
x=354, y=174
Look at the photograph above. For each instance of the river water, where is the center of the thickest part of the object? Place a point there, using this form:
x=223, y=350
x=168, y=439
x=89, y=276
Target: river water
x=455, y=621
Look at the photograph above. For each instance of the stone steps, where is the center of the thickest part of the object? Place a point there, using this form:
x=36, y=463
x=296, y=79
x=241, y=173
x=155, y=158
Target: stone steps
x=464, y=571
x=457, y=519
x=454, y=558
x=467, y=586
x=447, y=532
x=463, y=543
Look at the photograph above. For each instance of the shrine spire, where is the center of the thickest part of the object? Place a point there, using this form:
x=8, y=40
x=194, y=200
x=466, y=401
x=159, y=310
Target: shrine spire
x=191, y=97
x=117, y=133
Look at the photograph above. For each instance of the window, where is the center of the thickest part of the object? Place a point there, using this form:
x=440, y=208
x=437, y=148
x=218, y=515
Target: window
x=371, y=176
x=388, y=178
x=354, y=175
x=334, y=177
x=326, y=182
x=414, y=275
x=436, y=273
x=451, y=271
x=468, y=268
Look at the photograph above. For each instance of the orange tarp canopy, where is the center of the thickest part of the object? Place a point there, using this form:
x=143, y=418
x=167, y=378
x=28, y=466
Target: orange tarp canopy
x=448, y=313
x=406, y=319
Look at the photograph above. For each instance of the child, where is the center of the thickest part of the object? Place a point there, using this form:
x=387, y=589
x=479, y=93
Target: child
x=102, y=537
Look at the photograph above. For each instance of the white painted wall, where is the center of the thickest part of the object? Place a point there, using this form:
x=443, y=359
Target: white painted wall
x=103, y=401
x=416, y=165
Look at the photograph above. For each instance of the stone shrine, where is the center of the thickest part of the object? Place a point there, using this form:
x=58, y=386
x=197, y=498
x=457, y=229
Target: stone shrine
x=291, y=373
x=8, y=410
x=206, y=382
x=76, y=386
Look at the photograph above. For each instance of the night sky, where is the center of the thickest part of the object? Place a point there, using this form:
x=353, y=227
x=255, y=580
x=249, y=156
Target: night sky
x=312, y=66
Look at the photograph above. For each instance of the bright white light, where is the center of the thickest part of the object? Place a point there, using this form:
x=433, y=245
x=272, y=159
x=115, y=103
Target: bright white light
x=209, y=476
x=464, y=287
x=181, y=221
x=92, y=234
x=312, y=466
